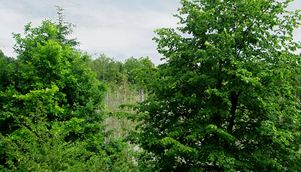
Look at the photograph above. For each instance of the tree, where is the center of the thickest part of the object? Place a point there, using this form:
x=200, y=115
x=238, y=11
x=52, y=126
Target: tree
x=107, y=69
x=224, y=98
x=5, y=70
x=140, y=73
x=51, y=105
x=44, y=59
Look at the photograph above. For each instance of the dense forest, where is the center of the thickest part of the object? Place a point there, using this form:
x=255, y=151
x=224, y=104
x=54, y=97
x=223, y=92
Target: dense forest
x=225, y=98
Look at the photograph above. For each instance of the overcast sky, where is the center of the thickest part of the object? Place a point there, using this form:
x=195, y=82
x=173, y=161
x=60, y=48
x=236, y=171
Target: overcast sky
x=117, y=28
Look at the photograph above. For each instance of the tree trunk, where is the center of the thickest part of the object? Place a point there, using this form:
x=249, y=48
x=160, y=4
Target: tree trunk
x=141, y=94
x=234, y=104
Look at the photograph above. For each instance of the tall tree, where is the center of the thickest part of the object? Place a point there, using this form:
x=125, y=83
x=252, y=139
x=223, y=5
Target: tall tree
x=50, y=106
x=224, y=99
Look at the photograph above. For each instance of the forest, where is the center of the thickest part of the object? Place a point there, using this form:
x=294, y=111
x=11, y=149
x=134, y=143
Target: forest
x=226, y=96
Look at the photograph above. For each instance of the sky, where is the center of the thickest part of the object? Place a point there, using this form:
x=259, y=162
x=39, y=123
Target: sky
x=118, y=28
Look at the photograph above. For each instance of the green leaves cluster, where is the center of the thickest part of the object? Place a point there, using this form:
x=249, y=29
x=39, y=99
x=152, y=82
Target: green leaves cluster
x=137, y=72
x=51, y=111
x=225, y=100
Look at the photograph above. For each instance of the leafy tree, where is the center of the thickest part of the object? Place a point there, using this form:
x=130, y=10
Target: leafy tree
x=51, y=115
x=6, y=69
x=50, y=106
x=108, y=70
x=224, y=99
x=140, y=73
x=43, y=59
x=139, y=70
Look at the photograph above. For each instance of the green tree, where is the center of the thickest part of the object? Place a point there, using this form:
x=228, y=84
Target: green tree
x=44, y=59
x=5, y=70
x=139, y=70
x=224, y=99
x=51, y=105
x=107, y=69
x=51, y=115
x=140, y=73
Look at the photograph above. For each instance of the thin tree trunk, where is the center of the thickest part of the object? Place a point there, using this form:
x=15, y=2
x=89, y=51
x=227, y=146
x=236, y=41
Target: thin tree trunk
x=141, y=94
x=234, y=104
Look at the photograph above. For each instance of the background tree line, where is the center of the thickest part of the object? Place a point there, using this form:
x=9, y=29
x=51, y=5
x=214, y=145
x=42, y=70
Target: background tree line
x=126, y=81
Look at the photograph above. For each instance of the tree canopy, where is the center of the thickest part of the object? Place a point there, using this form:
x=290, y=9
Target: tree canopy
x=51, y=107
x=224, y=100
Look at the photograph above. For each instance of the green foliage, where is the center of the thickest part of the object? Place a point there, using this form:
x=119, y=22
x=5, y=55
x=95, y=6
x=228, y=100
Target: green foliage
x=140, y=71
x=5, y=70
x=108, y=70
x=38, y=148
x=126, y=82
x=51, y=116
x=44, y=60
x=225, y=98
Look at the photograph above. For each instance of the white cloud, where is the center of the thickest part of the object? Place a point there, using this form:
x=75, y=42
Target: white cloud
x=120, y=32
x=14, y=20
x=119, y=28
